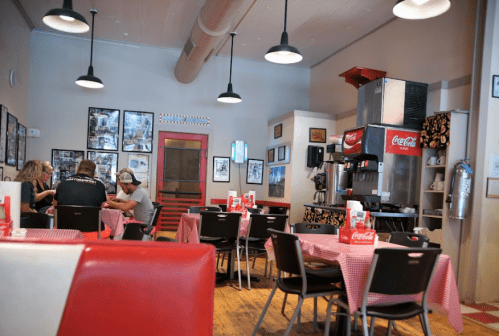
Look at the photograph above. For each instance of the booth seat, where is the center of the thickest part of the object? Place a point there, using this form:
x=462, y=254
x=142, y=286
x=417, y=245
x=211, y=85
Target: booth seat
x=106, y=288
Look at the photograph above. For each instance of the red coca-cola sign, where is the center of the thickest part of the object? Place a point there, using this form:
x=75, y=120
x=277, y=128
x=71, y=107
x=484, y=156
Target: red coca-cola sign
x=357, y=237
x=403, y=142
x=352, y=142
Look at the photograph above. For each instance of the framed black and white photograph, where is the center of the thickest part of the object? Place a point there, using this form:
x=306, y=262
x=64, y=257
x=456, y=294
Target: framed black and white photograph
x=139, y=163
x=65, y=163
x=3, y=131
x=221, y=169
x=106, y=166
x=254, y=174
x=138, y=131
x=21, y=146
x=495, y=86
x=103, y=128
x=11, y=143
x=281, y=153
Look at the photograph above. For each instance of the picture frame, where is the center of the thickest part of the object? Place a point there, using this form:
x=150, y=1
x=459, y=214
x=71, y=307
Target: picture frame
x=3, y=131
x=1, y=173
x=277, y=181
x=495, y=86
x=11, y=141
x=317, y=135
x=65, y=163
x=271, y=155
x=21, y=146
x=103, y=128
x=221, y=169
x=106, y=167
x=138, y=130
x=492, y=187
x=254, y=171
x=277, y=131
x=281, y=153
x=139, y=163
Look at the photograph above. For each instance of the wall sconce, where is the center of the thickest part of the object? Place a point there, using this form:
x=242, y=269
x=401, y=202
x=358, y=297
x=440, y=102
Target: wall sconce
x=239, y=151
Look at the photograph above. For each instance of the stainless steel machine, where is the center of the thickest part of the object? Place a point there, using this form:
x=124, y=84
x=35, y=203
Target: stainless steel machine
x=384, y=161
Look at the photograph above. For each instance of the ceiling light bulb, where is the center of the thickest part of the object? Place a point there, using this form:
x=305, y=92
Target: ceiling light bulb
x=66, y=18
x=89, y=84
x=420, y=9
x=420, y=2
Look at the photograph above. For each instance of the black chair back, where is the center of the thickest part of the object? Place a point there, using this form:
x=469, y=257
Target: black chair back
x=259, y=225
x=219, y=224
x=75, y=217
x=34, y=220
x=408, y=239
x=278, y=210
x=134, y=231
x=223, y=207
x=287, y=252
x=315, y=228
x=402, y=271
x=199, y=209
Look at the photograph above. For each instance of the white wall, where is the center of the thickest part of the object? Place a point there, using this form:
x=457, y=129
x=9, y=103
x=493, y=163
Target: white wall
x=14, y=55
x=140, y=78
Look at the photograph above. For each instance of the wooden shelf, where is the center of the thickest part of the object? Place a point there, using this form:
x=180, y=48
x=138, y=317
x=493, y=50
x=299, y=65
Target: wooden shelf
x=433, y=191
x=435, y=166
x=433, y=216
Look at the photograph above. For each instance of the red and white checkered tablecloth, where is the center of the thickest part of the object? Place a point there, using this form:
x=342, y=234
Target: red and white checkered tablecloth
x=355, y=261
x=54, y=234
x=114, y=219
x=187, y=231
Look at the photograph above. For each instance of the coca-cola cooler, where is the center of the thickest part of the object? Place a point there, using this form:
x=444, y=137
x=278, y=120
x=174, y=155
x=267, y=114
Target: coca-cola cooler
x=384, y=161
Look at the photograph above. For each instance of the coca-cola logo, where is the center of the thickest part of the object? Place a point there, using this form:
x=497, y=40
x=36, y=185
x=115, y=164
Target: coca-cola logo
x=369, y=235
x=406, y=142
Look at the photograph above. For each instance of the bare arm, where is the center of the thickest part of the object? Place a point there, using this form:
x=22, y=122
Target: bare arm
x=123, y=206
x=25, y=208
x=43, y=194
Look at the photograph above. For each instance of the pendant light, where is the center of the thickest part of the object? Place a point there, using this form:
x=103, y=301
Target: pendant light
x=420, y=9
x=89, y=80
x=284, y=53
x=230, y=96
x=65, y=19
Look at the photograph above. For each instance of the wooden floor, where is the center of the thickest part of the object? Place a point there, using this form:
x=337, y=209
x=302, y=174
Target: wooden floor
x=236, y=312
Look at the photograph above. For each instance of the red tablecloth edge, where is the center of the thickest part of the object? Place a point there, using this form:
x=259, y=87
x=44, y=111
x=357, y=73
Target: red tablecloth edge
x=264, y=203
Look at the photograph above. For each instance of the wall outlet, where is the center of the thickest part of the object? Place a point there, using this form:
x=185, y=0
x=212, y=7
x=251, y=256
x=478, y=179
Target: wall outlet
x=33, y=133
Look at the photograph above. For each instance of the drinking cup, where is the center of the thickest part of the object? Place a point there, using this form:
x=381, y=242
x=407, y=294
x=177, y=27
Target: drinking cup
x=432, y=161
x=441, y=160
x=439, y=177
x=433, y=185
x=440, y=185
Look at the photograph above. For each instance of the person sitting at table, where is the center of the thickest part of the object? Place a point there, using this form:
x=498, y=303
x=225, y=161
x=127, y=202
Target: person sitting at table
x=82, y=189
x=139, y=201
x=44, y=195
x=30, y=172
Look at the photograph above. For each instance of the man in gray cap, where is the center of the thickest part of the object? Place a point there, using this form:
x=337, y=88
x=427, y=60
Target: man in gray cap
x=139, y=201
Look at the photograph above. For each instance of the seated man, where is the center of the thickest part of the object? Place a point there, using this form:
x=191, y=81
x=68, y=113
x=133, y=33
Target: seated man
x=82, y=188
x=139, y=201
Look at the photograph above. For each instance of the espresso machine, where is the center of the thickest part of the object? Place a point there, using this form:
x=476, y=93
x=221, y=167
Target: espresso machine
x=384, y=161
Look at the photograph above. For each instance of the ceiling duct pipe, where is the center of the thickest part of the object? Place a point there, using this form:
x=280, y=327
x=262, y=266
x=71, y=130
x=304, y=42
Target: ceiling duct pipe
x=212, y=24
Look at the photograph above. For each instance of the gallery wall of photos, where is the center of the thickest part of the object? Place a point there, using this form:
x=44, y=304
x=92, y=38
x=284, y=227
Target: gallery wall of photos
x=103, y=144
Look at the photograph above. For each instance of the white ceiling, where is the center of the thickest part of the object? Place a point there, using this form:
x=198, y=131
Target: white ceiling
x=318, y=28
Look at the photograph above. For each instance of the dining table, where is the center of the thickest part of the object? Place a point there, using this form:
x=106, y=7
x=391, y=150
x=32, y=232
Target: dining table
x=53, y=234
x=355, y=261
x=188, y=228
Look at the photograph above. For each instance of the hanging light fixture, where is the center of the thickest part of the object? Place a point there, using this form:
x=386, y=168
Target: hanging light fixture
x=230, y=96
x=89, y=80
x=65, y=19
x=420, y=9
x=284, y=53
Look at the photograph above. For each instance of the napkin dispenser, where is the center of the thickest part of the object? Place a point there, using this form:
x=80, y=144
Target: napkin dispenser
x=5, y=220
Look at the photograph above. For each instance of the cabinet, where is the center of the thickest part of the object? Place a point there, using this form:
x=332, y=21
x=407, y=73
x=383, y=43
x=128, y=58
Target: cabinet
x=433, y=210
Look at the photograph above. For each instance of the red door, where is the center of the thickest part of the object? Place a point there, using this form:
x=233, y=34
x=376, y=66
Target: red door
x=181, y=175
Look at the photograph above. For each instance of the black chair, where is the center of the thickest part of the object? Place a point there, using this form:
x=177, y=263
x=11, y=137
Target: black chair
x=275, y=210
x=314, y=228
x=289, y=259
x=76, y=217
x=34, y=220
x=199, y=209
x=167, y=239
x=408, y=239
x=258, y=234
x=405, y=271
x=224, y=227
x=223, y=207
x=137, y=231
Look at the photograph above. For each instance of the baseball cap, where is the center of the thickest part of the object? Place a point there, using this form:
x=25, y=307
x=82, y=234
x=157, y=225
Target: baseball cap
x=123, y=170
x=126, y=177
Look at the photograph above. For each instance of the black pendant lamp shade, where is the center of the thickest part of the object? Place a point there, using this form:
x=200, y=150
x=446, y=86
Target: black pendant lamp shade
x=230, y=96
x=65, y=19
x=89, y=80
x=284, y=53
x=420, y=9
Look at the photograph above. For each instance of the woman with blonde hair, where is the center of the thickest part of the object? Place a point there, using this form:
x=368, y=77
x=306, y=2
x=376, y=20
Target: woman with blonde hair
x=31, y=171
x=44, y=195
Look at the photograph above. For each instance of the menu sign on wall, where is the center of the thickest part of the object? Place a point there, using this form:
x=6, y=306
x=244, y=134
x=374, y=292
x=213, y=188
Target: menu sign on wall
x=403, y=142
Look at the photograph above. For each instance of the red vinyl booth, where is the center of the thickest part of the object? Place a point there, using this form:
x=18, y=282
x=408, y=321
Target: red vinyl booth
x=106, y=288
